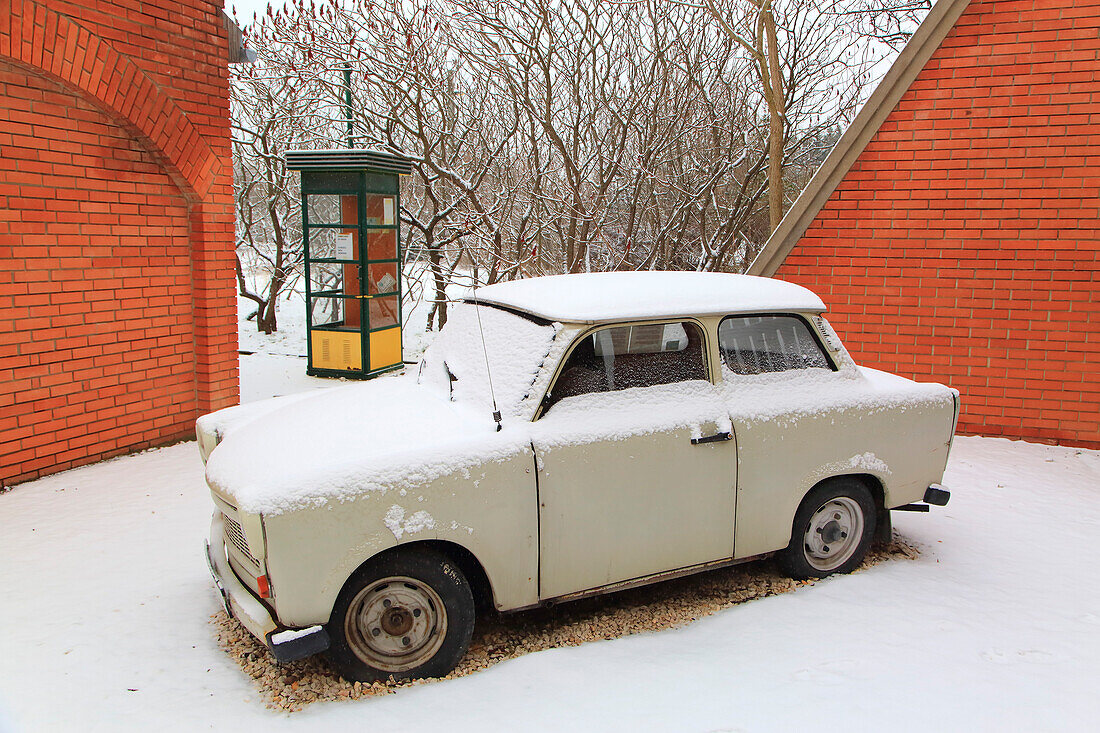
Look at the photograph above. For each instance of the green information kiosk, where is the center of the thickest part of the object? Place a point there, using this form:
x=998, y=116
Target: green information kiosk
x=353, y=292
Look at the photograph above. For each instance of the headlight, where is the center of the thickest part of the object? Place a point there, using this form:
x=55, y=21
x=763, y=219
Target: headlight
x=208, y=438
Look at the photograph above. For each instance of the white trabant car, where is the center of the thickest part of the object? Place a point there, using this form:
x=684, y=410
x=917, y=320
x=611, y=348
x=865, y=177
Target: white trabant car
x=646, y=425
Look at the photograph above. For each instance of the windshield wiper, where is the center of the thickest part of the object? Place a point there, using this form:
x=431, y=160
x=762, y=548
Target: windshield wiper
x=451, y=379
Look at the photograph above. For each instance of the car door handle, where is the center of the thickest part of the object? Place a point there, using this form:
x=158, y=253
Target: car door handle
x=716, y=438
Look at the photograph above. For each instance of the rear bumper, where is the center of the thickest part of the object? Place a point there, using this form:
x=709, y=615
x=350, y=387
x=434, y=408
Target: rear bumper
x=937, y=495
x=286, y=645
x=934, y=495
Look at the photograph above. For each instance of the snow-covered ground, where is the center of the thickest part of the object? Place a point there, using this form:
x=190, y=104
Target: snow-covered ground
x=996, y=625
x=275, y=364
x=105, y=604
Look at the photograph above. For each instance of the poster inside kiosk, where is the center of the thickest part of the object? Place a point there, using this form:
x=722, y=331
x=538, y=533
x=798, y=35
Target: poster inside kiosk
x=345, y=249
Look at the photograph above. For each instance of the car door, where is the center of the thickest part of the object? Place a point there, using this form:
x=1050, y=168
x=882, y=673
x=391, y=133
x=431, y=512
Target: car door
x=782, y=441
x=635, y=458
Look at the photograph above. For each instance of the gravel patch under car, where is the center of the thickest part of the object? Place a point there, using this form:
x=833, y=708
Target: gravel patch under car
x=290, y=687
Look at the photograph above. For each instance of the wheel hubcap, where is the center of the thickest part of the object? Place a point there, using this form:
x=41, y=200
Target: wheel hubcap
x=397, y=621
x=834, y=533
x=396, y=624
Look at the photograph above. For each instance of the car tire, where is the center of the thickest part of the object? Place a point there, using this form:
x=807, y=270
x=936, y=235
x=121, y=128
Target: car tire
x=833, y=528
x=404, y=615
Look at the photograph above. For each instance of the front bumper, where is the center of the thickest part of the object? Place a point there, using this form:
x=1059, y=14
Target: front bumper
x=286, y=645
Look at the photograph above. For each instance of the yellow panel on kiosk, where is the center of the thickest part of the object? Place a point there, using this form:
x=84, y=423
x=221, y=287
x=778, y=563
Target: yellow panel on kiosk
x=337, y=349
x=385, y=348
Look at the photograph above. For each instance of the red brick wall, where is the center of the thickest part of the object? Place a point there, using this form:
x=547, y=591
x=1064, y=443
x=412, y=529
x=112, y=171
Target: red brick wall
x=117, y=319
x=963, y=245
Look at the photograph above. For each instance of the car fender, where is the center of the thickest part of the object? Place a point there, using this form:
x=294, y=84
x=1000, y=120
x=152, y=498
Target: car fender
x=490, y=511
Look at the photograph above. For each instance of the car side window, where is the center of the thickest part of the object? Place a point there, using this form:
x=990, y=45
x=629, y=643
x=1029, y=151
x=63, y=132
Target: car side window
x=759, y=344
x=621, y=357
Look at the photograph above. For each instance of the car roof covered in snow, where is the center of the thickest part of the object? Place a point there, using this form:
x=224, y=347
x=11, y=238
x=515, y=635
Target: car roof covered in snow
x=615, y=296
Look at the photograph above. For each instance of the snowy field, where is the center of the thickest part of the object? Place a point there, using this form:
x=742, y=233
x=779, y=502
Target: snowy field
x=106, y=600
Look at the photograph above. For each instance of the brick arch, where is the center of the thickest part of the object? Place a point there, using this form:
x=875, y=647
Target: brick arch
x=52, y=44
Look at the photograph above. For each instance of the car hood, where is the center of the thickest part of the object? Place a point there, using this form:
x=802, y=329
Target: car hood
x=333, y=444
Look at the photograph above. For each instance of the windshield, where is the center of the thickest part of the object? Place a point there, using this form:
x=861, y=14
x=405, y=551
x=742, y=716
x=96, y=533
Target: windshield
x=516, y=347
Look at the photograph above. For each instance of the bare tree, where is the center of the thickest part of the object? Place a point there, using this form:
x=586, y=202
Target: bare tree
x=270, y=104
x=564, y=135
x=802, y=51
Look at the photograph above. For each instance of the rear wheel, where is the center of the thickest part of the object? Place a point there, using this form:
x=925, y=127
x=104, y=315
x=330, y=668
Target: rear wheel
x=832, y=531
x=404, y=615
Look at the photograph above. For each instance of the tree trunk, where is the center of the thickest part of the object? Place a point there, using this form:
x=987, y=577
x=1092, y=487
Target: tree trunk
x=777, y=111
x=439, y=282
x=266, y=317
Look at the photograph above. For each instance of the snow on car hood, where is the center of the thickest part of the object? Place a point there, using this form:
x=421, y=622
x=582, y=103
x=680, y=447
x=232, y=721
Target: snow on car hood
x=337, y=443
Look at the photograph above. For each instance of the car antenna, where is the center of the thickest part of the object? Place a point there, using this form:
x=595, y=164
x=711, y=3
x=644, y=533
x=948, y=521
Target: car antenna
x=485, y=353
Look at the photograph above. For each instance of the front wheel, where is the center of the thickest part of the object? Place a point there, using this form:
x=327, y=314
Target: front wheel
x=405, y=615
x=832, y=531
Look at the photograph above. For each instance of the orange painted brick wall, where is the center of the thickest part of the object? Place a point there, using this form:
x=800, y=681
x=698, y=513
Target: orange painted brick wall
x=963, y=245
x=117, y=317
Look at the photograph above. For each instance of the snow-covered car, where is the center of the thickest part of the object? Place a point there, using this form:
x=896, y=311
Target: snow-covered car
x=563, y=436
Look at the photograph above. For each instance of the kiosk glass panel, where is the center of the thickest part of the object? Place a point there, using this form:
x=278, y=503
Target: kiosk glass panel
x=326, y=278
x=381, y=210
x=382, y=244
x=323, y=208
x=331, y=311
x=382, y=279
x=383, y=311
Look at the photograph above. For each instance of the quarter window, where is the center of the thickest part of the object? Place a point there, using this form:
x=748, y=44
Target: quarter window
x=621, y=357
x=759, y=344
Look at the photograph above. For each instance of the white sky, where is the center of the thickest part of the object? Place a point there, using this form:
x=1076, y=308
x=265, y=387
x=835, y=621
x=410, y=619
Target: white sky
x=246, y=8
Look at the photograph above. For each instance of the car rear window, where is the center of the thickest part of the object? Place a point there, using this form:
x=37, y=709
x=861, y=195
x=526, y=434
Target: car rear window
x=773, y=343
